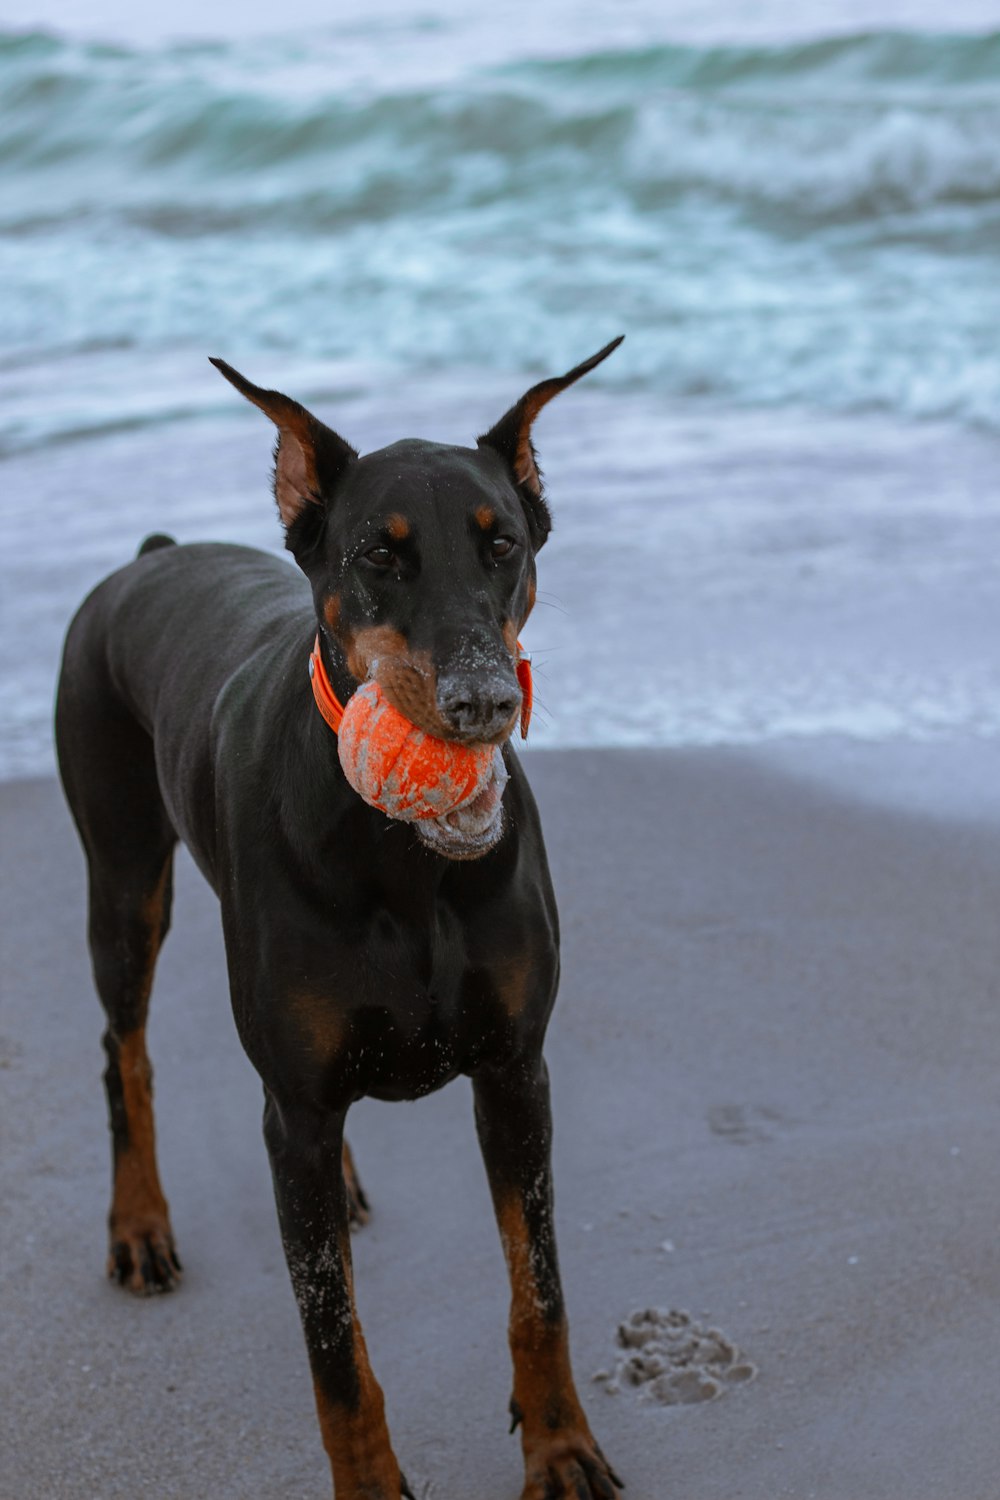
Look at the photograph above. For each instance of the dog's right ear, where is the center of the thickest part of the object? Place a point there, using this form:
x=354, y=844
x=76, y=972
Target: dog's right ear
x=511, y=438
x=309, y=458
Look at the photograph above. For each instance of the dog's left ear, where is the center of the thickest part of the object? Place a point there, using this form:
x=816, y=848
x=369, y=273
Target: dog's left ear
x=309, y=457
x=511, y=438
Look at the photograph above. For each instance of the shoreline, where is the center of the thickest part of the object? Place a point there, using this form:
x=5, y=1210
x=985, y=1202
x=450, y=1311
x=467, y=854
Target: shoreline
x=762, y=581
x=775, y=1052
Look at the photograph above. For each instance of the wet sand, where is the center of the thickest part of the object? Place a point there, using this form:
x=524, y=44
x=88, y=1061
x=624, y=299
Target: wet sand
x=775, y=1071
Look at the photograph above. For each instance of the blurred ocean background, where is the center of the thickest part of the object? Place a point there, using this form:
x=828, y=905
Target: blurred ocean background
x=777, y=505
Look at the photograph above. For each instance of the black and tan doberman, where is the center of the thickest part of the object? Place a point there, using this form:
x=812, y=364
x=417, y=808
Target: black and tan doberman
x=366, y=956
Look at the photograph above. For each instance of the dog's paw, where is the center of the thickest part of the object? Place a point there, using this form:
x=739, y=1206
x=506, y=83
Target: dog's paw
x=144, y=1259
x=374, y=1487
x=569, y=1465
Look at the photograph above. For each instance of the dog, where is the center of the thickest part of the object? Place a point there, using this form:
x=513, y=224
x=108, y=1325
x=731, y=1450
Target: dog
x=366, y=956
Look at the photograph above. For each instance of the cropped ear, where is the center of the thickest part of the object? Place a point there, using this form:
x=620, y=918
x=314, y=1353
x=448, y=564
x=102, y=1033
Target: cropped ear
x=308, y=459
x=511, y=438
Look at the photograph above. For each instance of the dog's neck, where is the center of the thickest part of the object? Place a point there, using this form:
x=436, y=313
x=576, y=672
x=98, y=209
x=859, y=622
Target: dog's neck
x=336, y=679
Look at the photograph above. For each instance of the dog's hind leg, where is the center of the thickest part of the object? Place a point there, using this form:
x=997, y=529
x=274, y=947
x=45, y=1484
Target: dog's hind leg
x=126, y=929
x=109, y=774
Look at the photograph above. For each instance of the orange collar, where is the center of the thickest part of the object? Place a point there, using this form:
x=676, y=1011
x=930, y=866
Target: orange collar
x=332, y=709
x=327, y=701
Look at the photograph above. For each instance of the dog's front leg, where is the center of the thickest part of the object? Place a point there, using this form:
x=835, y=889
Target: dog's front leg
x=514, y=1123
x=306, y=1150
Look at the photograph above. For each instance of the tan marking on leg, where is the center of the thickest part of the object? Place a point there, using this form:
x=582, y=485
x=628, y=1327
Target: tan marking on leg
x=357, y=1444
x=357, y=1203
x=151, y=912
x=559, y=1448
x=139, y=1186
x=139, y=1217
x=543, y=1379
x=356, y=1438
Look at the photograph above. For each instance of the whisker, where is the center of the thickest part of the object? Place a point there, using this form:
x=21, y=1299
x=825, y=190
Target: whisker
x=543, y=651
x=540, y=706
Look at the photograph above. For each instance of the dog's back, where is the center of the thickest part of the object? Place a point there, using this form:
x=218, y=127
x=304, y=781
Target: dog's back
x=148, y=654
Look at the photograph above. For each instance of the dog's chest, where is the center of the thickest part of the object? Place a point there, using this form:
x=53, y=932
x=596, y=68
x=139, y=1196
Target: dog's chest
x=431, y=1013
x=402, y=1010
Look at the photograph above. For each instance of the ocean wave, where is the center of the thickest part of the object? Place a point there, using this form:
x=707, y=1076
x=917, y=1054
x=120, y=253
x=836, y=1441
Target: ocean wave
x=887, y=57
x=814, y=223
x=854, y=128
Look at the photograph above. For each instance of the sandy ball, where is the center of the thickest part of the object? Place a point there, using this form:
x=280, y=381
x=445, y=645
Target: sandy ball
x=399, y=769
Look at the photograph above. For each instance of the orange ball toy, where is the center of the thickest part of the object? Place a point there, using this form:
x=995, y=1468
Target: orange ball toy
x=399, y=769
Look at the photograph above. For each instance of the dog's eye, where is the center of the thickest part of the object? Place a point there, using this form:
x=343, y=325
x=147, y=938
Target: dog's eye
x=502, y=546
x=380, y=557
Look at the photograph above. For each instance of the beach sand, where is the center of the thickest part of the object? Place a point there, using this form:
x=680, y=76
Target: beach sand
x=775, y=1064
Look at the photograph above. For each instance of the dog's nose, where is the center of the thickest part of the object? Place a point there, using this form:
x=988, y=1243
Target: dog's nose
x=477, y=707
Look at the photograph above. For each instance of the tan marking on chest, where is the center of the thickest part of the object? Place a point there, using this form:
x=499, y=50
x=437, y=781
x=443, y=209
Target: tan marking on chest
x=320, y=1023
x=515, y=987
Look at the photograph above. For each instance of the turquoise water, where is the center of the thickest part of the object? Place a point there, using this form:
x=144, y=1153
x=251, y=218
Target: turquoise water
x=777, y=511
x=813, y=222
